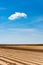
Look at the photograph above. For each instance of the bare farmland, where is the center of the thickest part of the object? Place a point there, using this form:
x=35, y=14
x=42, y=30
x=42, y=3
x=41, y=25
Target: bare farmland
x=21, y=55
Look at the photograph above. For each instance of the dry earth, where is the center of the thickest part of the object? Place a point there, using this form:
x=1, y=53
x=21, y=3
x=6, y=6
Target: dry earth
x=21, y=55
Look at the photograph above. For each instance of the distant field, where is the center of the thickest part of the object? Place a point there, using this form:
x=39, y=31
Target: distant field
x=21, y=44
x=38, y=47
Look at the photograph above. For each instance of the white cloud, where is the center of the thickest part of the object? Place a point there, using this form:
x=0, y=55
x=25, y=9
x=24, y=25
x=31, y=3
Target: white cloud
x=17, y=15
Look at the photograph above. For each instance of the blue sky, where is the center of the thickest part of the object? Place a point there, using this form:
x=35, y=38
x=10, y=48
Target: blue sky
x=21, y=21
